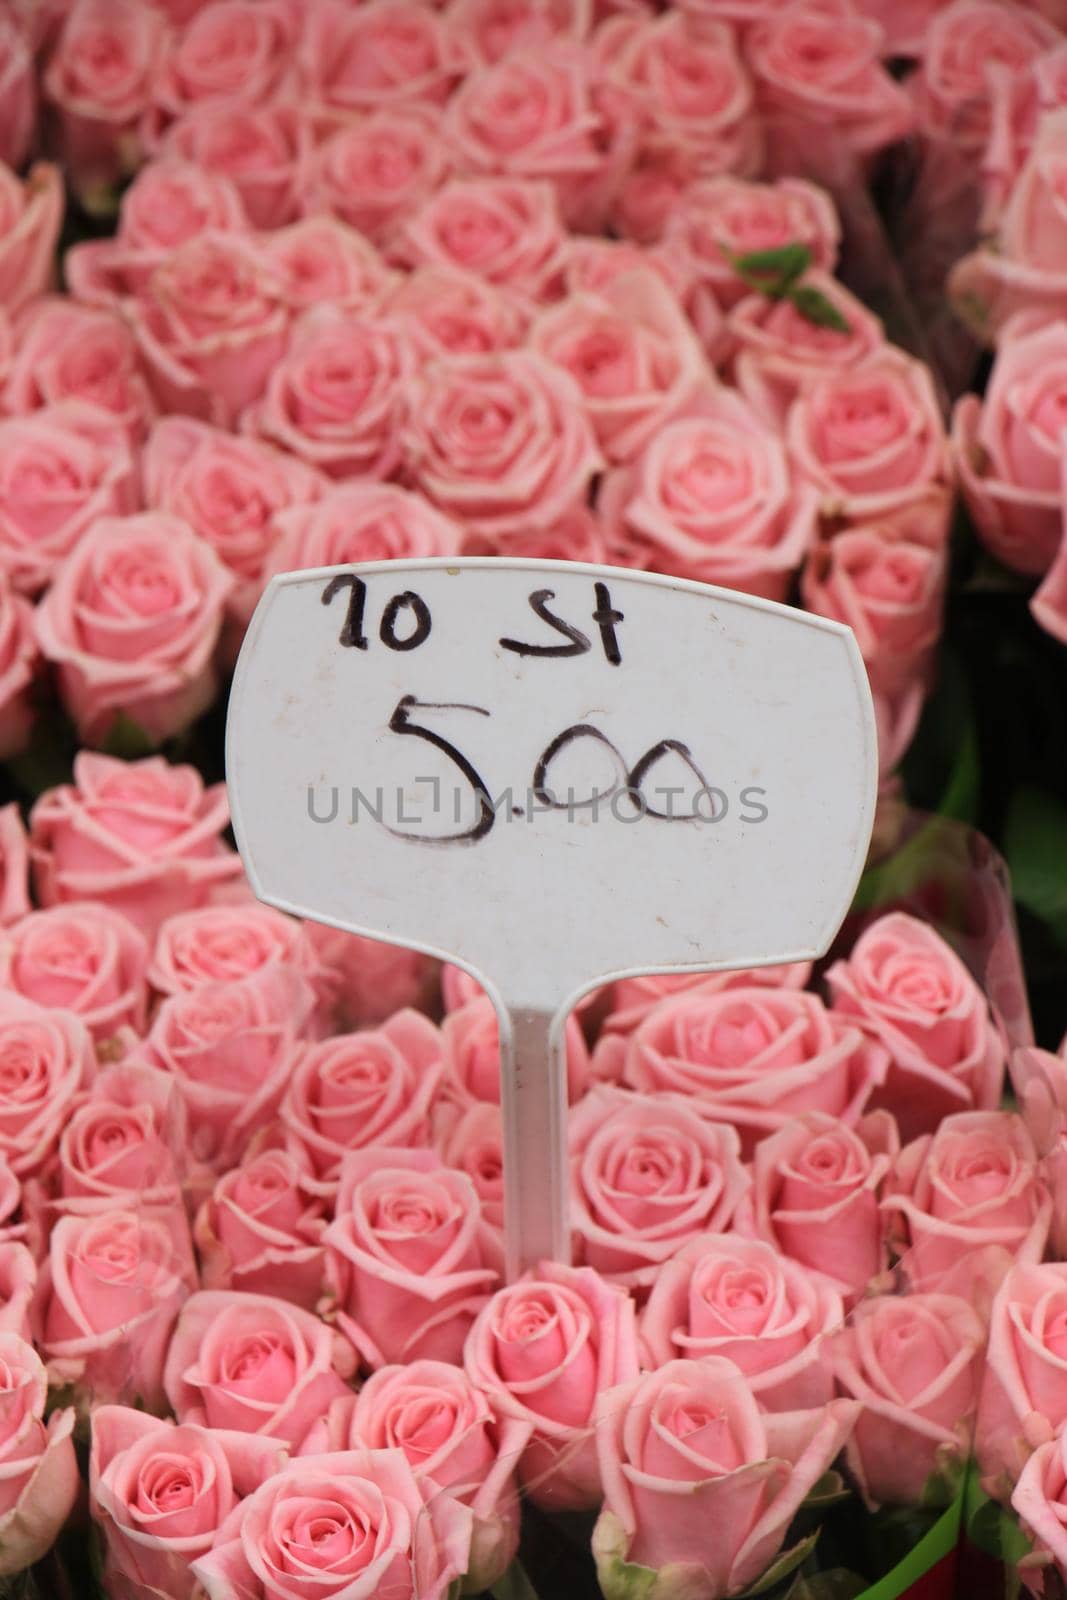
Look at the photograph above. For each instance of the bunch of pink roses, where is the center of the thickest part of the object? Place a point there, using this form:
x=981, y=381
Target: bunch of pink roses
x=399, y=280
x=252, y=1227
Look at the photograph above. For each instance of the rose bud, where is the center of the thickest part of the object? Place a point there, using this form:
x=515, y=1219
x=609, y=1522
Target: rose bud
x=722, y=1295
x=260, y=1230
x=541, y=1351
x=38, y=1467
x=160, y=1493
x=410, y=1262
x=253, y=1364
x=816, y=1186
x=80, y=957
x=131, y=623
x=356, y=1526
x=972, y=1190
x=46, y=1060
x=700, y=1486
x=1023, y=1400
x=913, y=1363
x=67, y=351
x=109, y=1295
x=356, y=1089
x=142, y=836
x=647, y=1172
x=450, y=1435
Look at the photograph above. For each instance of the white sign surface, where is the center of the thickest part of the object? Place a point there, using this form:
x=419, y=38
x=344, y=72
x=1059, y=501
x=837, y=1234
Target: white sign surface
x=551, y=773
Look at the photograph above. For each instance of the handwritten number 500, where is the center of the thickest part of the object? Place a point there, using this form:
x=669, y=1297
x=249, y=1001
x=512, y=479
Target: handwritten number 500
x=632, y=777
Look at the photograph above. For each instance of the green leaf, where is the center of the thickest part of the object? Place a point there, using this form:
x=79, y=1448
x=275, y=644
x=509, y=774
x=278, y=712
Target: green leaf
x=814, y=306
x=779, y=1570
x=514, y=1585
x=128, y=740
x=830, y=1489
x=785, y=263
x=1035, y=844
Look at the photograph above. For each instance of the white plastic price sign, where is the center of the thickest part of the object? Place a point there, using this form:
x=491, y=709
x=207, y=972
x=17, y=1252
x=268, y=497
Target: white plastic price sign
x=552, y=774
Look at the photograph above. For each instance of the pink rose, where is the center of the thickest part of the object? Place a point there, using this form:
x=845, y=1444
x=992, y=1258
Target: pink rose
x=909, y=990
x=381, y=54
x=968, y=47
x=496, y=28
x=712, y=497
x=409, y=1260
x=700, y=1486
x=870, y=440
x=504, y=231
x=60, y=469
x=14, y=865
x=647, y=1172
x=913, y=1363
x=338, y=398
x=169, y=203
x=262, y=151
x=577, y=536
x=500, y=442
x=211, y=327
x=633, y=355
x=38, y=1468
x=541, y=115
x=817, y=66
x=975, y=1185
x=141, y=836
x=218, y=944
x=1048, y=605
x=1022, y=1402
x=231, y=1047
x=778, y=350
x=110, y=1291
x=228, y=490
x=124, y=1146
x=354, y=1525
x=542, y=1351
x=1008, y=446
x=475, y=1145
x=160, y=1493
x=66, y=351
x=253, y=1364
x=446, y=311
x=592, y=264
x=1040, y=1500
x=447, y=1430
x=370, y=977
x=1039, y=1080
x=19, y=659
x=753, y=1057
x=685, y=87
x=1021, y=267
x=260, y=1230
x=18, y=1276
x=231, y=52
x=319, y=259
x=18, y=94
x=47, y=1059
x=470, y=1037
x=739, y=1299
x=132, y=621
x=357, y=1089
x=631, y=999
x=361, y=522
x=100, y=78
x=725, y=217
x=85, y=958
x=376, y=172
x=890, y=594
x=816, y=1186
